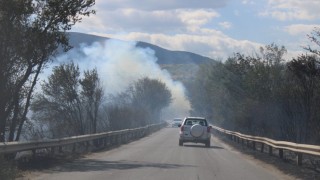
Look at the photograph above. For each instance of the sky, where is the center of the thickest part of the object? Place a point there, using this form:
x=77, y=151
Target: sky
x=212, y=28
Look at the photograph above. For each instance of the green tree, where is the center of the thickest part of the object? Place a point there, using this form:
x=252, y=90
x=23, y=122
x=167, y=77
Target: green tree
x=314, y=37
x=306, y=70
x=241, y=93
x=125, y=116
x=273, y=54
x=152, y=95
x=139, y=105
x=59, y=105
x=30, y=33
x=68, y=104
x=92, y=95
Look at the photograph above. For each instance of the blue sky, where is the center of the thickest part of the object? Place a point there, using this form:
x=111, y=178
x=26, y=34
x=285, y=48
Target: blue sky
x=213, y=28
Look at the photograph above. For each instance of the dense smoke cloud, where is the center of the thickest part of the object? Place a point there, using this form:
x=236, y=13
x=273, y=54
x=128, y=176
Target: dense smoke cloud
x=121, y=63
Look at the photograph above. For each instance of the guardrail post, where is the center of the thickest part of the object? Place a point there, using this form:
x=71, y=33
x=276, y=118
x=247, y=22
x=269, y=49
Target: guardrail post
x=281, y=153
x=87, y=145
x=105, y=142
x=52, y=150
x=74, y=148
x=128, y=136
x=115, y=139
x=34, y=152
x=270, y=150
x=253, y=145
x=119, y=139
x=299, y=159
x=108, y=139
x=125, y=138
x=262, y=147
x=60, y=149
x=111, y=140
x=238, y=140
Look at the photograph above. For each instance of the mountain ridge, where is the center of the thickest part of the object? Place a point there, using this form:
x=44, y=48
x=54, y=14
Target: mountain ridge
x=164, y=56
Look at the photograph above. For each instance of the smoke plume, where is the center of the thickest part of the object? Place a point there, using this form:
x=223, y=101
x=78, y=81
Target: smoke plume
x=120, y=63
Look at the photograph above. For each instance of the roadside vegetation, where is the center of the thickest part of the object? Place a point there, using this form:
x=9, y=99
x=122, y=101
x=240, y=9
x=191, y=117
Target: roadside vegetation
x=263, y=94
x=31, y=32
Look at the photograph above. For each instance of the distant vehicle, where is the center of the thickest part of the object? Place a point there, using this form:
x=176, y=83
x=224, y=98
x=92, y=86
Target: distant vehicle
x=176, y=122
x=195, y=129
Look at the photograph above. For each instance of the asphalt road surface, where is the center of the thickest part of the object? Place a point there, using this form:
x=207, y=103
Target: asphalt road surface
x=158, y=156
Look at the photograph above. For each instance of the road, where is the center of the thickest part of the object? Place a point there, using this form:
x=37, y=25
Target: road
x=158, y=156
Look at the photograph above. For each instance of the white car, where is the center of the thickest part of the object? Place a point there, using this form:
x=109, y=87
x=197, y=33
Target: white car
x=176, y=122
x=195, y=129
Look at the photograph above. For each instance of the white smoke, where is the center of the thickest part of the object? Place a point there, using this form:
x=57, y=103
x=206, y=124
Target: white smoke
x=121, y=63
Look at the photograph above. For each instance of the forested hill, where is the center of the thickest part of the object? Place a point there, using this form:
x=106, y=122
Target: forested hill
x=164, y=56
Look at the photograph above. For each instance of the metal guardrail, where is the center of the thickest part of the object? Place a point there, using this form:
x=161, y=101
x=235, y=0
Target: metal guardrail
x=117, y=137
x=280, y=145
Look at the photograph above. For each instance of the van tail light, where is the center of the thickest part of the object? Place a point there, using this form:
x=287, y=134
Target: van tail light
x=181, y=128
x=209, y=129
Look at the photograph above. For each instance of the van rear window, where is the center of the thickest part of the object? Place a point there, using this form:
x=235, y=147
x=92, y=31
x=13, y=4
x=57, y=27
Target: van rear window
x=196, y=121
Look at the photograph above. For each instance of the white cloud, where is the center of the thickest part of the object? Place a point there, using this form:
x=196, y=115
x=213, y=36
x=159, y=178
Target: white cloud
x=293, y=9
x=300, y=29
x=248, y=2
x=132, y=20
x=160, y=21
x=196, y=18
x=160, y=4
x=225, y=25
x=206, y=42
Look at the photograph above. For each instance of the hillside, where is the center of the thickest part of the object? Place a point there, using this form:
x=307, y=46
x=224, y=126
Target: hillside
x=164, y=56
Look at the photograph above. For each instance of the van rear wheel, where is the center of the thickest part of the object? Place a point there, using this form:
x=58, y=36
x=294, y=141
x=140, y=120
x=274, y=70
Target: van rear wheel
x=180, y=143
x=208, y=143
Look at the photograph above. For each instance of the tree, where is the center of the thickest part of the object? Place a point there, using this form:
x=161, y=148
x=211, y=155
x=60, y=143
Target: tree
x=306, y=70
x=68, y=104
x=30, y=33
x=273, y=54
x=314, y=37
x=241, y=93
x=151, y=94
x=139, y=105
x=125, y=116
x=59, y=105
x=92, y=94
